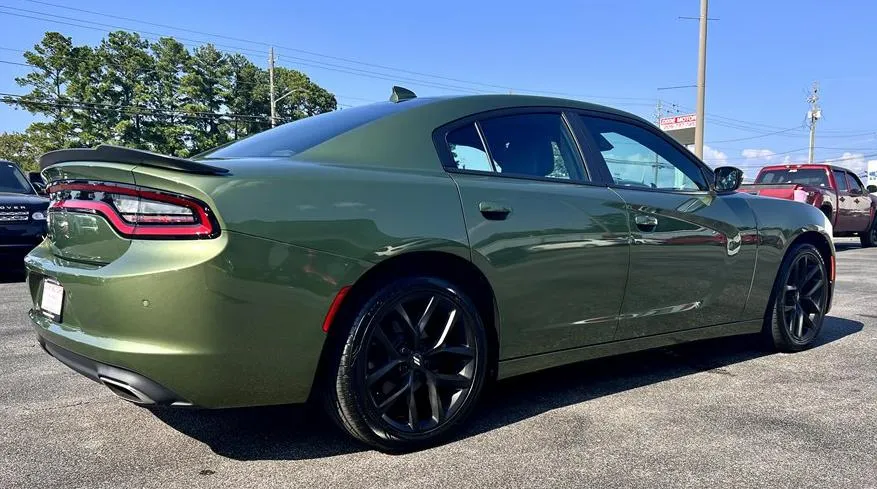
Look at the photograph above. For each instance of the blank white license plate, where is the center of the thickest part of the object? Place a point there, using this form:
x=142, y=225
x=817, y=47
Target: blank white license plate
x=53, y=299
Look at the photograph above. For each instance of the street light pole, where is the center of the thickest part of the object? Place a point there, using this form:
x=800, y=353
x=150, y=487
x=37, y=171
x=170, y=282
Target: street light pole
x=271, y=86
x=701, y=82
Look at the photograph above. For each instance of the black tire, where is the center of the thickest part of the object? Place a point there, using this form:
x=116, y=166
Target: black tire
x=382, y=366
x=799, y=299
x=869, y=237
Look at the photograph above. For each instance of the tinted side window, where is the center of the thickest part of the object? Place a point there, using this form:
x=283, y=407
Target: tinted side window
x=855, y=183
x=637, y=157
x=11, y=180
x=840, y=177
x=467, y=150
x=805, y=176
x=534, y=145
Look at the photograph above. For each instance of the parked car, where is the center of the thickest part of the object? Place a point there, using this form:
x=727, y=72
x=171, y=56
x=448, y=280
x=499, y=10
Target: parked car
x=392, y=259
x=22, y=217
x=836, y=191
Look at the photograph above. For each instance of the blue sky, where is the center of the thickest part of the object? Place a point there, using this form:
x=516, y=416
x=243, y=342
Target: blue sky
x=762, y=57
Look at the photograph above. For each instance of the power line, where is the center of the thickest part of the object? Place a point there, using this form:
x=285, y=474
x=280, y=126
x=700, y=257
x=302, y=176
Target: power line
x=78, y=104
x=303, y=61
x=154, y=70
x=805, y=148
x=14, y=63
x=261, y=43
x=336, y=58
x=755, y=137
x=754, y=126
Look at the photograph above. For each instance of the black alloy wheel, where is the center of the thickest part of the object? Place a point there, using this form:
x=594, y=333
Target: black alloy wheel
x=801, y=299
x=419, y=363
x=413, y=366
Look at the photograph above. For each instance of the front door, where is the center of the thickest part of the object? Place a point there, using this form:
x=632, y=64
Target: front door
x=553, y=246
x=846, y=209
x=693, y=251
x=860, y=205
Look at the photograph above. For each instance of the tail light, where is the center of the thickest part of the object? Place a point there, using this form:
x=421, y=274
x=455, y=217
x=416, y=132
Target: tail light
x=137, y=212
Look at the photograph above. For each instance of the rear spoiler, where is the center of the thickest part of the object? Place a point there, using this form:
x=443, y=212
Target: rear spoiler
x=118, y=154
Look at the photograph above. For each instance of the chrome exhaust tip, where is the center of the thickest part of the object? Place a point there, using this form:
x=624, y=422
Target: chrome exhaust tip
x=125, y=391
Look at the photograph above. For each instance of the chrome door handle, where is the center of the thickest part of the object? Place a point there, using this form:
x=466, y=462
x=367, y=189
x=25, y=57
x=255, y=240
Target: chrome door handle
x=646, y=223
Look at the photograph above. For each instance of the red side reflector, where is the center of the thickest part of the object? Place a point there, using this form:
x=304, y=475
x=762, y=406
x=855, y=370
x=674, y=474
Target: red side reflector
x=333, y=309
x=833, y=268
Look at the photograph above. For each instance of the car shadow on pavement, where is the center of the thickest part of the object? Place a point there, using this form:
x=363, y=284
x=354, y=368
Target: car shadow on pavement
x=299, y=432
x=840, y=246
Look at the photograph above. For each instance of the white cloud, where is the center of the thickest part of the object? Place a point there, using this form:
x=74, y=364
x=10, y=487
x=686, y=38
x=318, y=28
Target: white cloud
x=852, y=161
x=765, y=154
x=713, y=157
x=754, y=159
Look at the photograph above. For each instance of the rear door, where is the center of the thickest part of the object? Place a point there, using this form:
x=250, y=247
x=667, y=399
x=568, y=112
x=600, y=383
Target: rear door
x=693, y=251
x=861, y=203
x=553, y=245
x=846, y=209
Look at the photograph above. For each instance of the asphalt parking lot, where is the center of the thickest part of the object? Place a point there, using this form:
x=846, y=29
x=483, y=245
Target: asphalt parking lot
x=722, y=413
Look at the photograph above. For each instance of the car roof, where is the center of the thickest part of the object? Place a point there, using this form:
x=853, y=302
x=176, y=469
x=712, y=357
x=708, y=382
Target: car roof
x=817, y=166
x=510, y=101
x=409, y=125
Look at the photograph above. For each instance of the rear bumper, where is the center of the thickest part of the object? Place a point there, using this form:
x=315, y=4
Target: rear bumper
x=124, y=383
x=233, y=321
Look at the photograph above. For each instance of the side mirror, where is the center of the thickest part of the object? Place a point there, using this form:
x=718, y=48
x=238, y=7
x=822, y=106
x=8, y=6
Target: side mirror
x=728, y=178
x=872, y=189
x=40, y=187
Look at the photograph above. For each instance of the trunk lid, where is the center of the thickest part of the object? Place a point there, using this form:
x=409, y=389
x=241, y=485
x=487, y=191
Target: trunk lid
x=103, y=198
x=84, y=237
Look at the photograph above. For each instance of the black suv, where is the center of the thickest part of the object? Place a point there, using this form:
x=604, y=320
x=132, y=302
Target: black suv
x=22, y=217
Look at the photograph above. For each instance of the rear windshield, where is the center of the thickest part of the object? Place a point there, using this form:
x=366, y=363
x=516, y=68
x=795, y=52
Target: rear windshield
x=294, y=137
x=814, y=177
x=12, y=180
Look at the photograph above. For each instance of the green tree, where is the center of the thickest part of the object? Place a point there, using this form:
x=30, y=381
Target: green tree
x=306, y=97
x=169, y=131
x=17, y=148
x=156, y=96
x=247, y=97
x=205, y=87
x=128, y=74
x=51, y=62
x=91, y=106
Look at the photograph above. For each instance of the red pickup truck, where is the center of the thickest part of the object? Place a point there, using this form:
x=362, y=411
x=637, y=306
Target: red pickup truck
x=836, y=191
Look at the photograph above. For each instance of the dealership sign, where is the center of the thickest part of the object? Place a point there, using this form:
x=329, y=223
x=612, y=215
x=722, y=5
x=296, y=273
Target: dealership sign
x=678, y=122
x=679, y=127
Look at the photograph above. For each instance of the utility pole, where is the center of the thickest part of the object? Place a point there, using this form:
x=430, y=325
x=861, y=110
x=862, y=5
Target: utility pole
x=659, y=112
x=701, y=81
x=813, y=115
x=271, y=86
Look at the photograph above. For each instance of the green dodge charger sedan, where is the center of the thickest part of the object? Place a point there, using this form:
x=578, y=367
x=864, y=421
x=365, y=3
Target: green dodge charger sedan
x=391, y=260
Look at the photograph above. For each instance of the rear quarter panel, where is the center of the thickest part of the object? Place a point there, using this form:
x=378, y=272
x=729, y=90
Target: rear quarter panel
x=780, y=223
x=364, y=213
